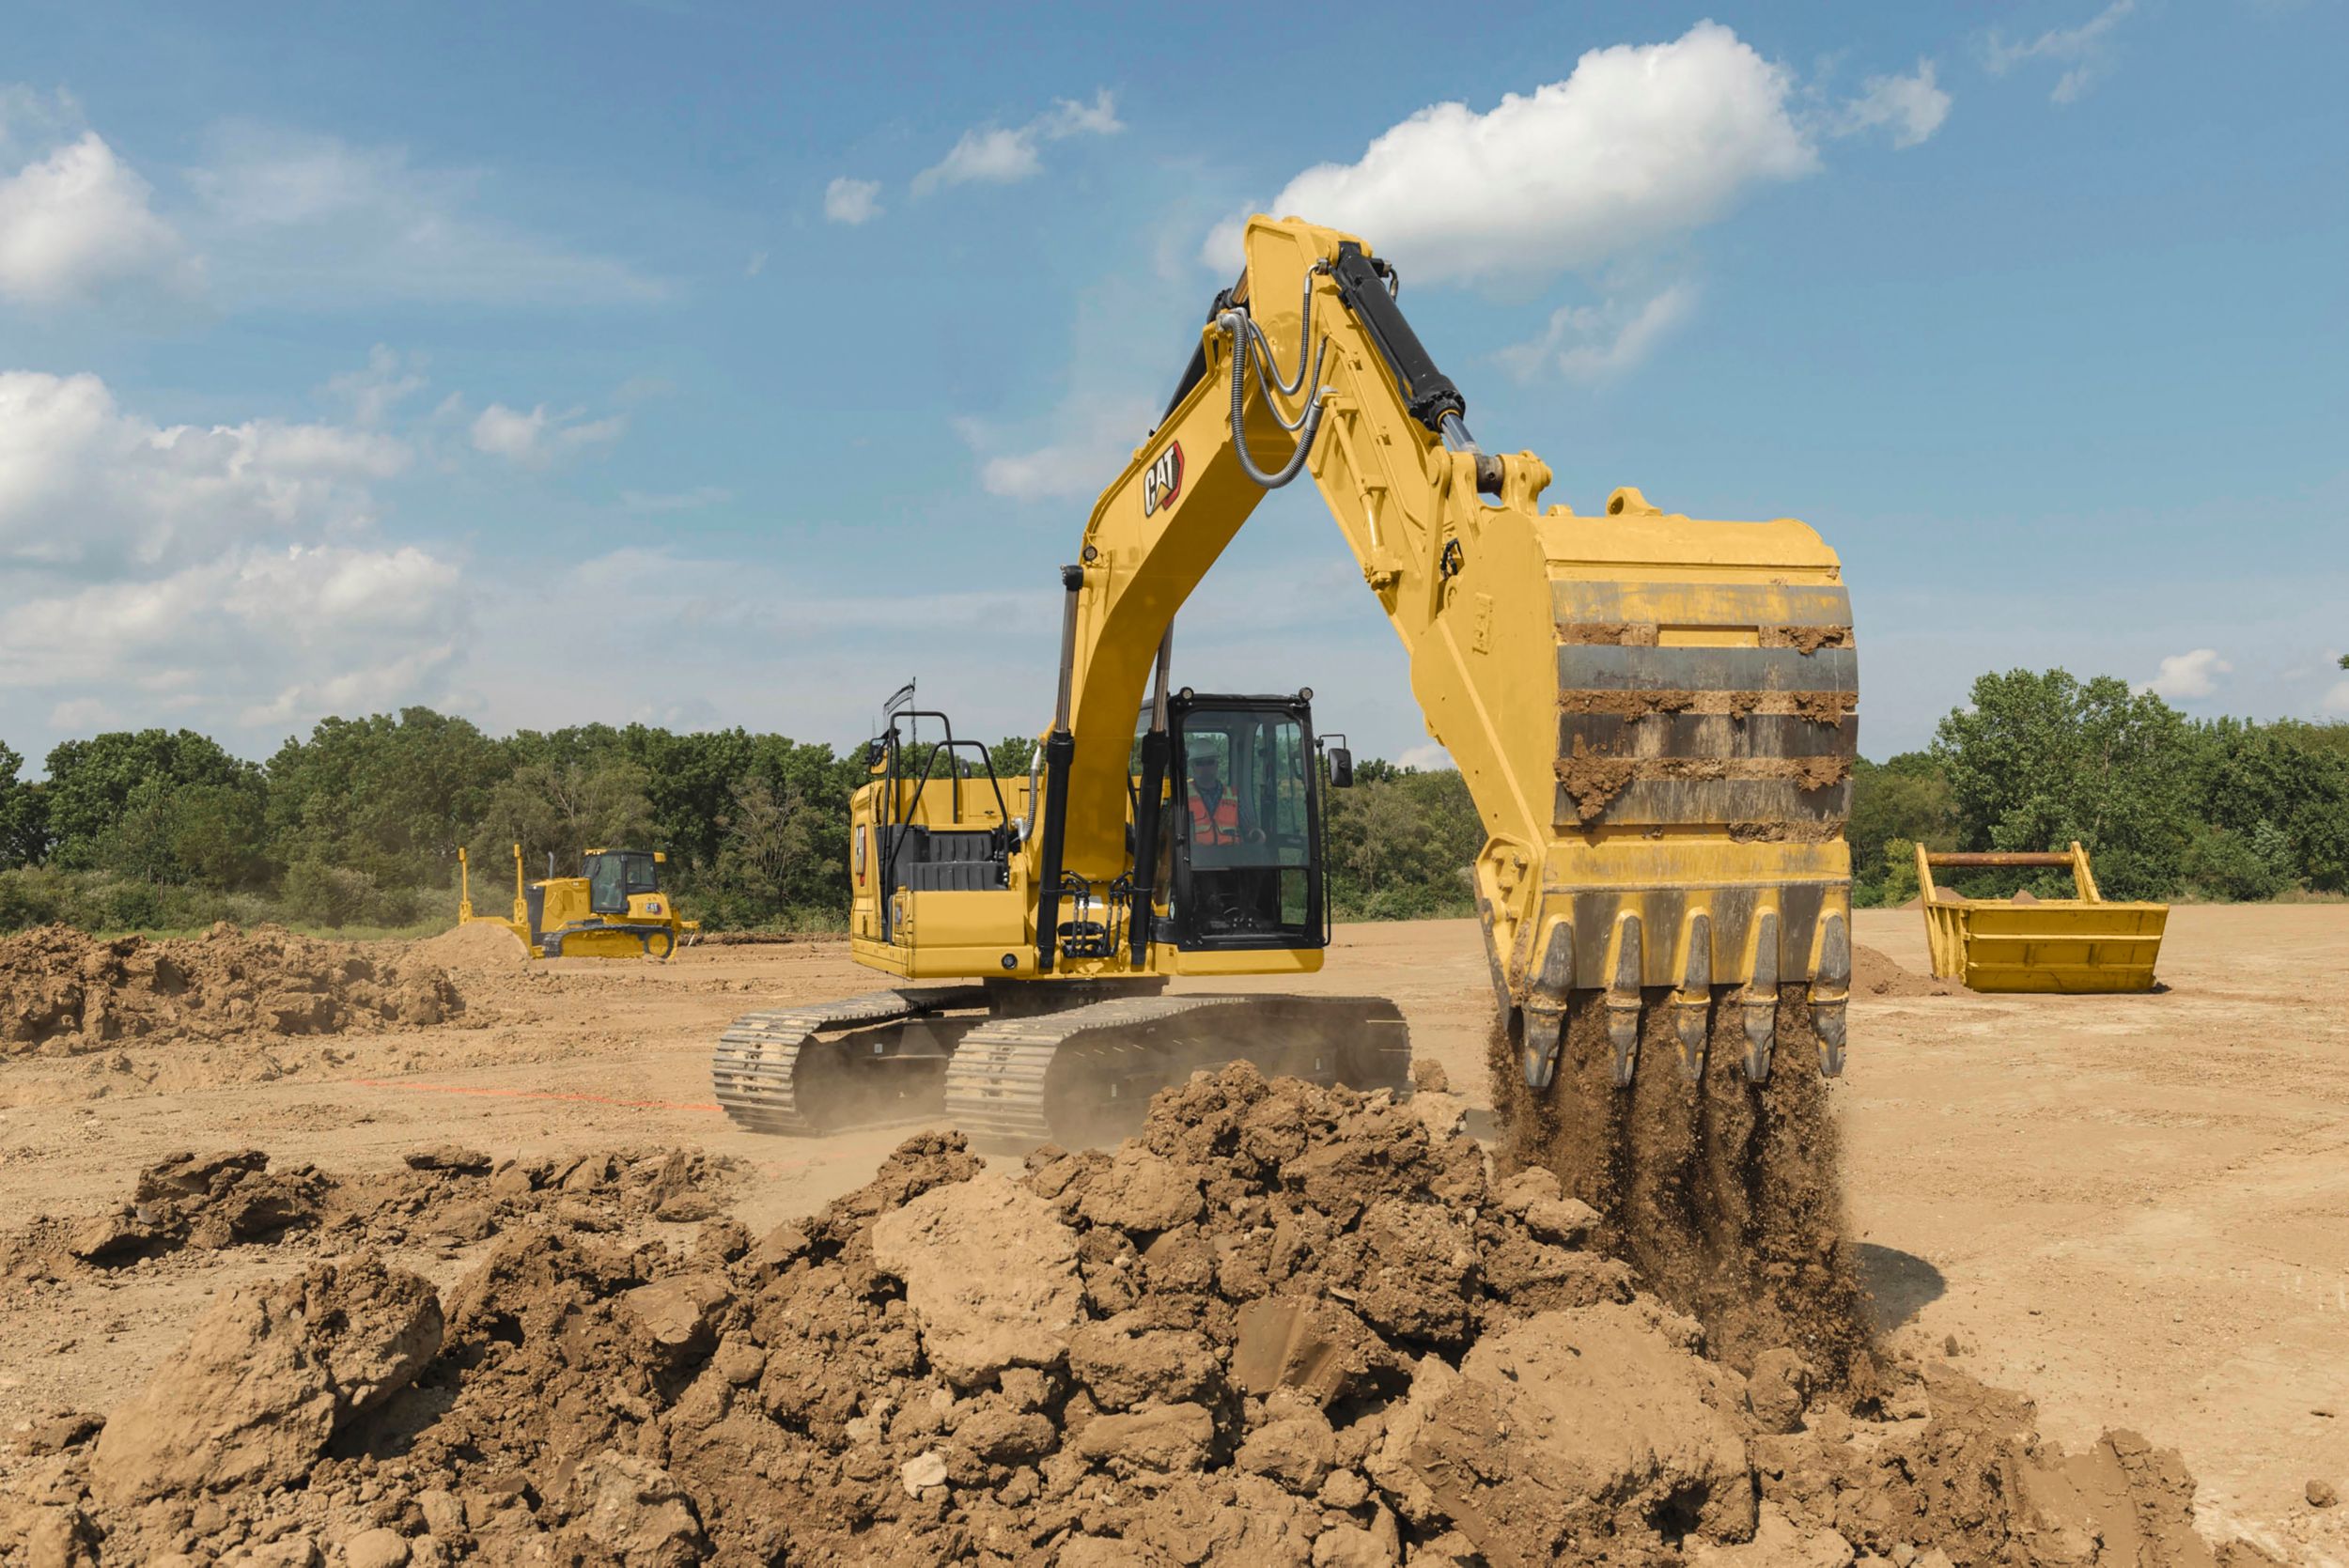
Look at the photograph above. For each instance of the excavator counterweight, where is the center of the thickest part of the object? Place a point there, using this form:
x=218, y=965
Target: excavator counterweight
x=1654, y=714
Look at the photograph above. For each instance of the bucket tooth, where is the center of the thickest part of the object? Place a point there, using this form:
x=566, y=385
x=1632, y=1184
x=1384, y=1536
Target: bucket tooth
x=1761, y=1008
x=1623, y=999
x=1694, y=999
x=1830, y=988
x=1546, y=1007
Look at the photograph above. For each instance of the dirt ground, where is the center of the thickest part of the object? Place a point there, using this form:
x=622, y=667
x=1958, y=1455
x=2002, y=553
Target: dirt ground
x=2134, y=1209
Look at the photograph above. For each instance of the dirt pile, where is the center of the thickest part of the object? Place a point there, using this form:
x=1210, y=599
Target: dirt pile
x=1873, y=973
x=63, y=993
x=476, y=945
x=1284, y=1326
x=444, y=1198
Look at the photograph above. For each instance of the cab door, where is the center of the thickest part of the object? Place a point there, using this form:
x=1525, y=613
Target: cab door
x=1242, y=820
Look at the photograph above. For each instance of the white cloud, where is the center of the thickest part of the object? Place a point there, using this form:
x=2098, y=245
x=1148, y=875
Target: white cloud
x=78, y=224
x=536, y=439
x=2186, y=675
x=2085, y=52
x=1095, y=442
x=256, y=635
x=1912, y=107
x=995, y=154
x=217, y=574
x=848, y=201
x=85, y=485
x=299, y=219
x=1590, y=342
x=1639, y=145
x=1429, y=758
x=2337, y=700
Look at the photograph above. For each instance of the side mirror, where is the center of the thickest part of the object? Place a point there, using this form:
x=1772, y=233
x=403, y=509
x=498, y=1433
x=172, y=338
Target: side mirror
x=875, y=752
x=1341, y=768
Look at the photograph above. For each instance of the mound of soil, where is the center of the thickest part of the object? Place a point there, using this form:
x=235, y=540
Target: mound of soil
x=1873, y=973
x=1283, y=1325
x=65, y=993
x=443, y=1197
x=476, y=945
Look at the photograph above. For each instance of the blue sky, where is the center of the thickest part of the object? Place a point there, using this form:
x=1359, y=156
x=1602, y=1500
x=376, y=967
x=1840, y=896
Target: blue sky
x=725, y=364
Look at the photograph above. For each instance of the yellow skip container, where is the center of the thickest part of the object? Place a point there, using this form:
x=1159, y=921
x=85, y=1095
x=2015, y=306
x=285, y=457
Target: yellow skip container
x=2050, y=944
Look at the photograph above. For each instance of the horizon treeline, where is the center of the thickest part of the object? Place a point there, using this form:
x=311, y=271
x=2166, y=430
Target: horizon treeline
x=356, y=825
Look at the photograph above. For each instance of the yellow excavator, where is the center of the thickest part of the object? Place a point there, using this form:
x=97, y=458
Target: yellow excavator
x=1654, y=714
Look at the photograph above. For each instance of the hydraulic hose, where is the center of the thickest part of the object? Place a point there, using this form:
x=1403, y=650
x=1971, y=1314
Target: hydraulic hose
x=1240, y=327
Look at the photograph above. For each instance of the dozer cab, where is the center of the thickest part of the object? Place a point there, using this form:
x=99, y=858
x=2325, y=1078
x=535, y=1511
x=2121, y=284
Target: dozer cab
x=1654, y=716
x=616, y=907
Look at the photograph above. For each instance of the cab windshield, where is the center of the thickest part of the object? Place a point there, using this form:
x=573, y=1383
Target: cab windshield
x=616, y=873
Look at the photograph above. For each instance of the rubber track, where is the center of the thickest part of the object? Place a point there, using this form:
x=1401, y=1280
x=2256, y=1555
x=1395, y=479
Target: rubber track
x=754, y=1070
x=996, y=1082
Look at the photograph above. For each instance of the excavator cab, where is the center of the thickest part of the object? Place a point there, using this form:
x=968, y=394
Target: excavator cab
x=1245, y=824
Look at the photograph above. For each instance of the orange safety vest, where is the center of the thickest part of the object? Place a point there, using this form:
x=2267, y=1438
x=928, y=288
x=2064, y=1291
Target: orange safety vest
x=1221, y=826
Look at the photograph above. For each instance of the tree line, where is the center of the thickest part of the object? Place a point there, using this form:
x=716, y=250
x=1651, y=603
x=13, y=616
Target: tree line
x=2167, y=806
x=356, y=825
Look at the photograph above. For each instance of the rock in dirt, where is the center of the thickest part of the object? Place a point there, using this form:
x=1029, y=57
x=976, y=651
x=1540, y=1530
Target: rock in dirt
x=64, y=992
x=376, y=1548
x=268, y=1377
x=678, y=1316
x=991, y=1271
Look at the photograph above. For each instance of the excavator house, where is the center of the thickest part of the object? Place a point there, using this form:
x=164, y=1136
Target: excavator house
x=1654, y=714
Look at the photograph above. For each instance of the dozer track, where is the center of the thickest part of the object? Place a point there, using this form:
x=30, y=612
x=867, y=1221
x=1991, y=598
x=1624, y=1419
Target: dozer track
x=794, y=1071
x=1086, y=1075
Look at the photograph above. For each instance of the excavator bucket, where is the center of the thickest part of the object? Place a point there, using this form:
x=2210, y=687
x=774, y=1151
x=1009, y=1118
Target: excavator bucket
x=2078, y=945
x=1706, y=684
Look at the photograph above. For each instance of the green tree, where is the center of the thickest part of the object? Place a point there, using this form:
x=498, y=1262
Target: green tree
x=1400, y=843
x=2040, y=758
x=386, y=796
x=92, y=782
x=23, y=813
x=1896, y=805
x=191, y=834
x=564, y=807
x=2273, y=803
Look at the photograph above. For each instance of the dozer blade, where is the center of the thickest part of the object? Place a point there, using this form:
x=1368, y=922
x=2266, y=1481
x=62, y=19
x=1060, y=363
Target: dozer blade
x=1086, y=1075
x=832, y=1065
x=1707, y=685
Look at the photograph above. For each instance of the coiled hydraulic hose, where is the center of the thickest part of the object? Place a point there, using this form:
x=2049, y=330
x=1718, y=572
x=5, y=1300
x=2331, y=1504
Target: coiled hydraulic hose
x=1245, y=334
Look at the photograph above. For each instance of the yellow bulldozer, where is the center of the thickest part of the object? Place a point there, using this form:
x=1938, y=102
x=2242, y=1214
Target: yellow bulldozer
x=1654, y=714
x=616, y=907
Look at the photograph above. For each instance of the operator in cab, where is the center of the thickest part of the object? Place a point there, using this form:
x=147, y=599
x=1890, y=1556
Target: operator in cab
x=1215, y=818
